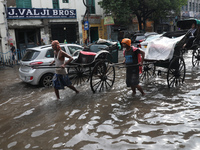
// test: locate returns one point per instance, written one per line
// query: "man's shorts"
(132, 77)
(60, 81)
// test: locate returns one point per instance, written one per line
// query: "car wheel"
(46, 80)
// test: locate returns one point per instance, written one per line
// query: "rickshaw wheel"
(148, 72)
(176, 72)
(102, 76)
(196, 57)
(79, 74)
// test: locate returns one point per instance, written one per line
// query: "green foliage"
(124, 10)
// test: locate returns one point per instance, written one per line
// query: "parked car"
(42, 55)
(143, 45)
(140, 37)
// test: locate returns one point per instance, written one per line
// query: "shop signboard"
(108, 20)
(40, 13)
(86, 25)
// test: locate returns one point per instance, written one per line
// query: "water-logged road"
(31, 118)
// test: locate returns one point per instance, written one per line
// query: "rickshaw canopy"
(186, 24)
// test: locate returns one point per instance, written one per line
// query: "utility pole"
(87, 13)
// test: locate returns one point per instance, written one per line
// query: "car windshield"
(72, 49)
(30, 55)
(140, 37)
(97, 48)
(151, 37)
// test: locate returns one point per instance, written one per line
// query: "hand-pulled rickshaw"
(195, 47)
(165, 54)
(174, 65)
(93, 67)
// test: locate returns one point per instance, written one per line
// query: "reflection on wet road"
(165, 118)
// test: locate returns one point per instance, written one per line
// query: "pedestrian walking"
(13, 52)
(131, 55)
(60, 78)
(42, 42)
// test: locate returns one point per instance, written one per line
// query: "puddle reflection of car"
(42, 55)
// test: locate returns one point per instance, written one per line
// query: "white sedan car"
(42, 55)
(143, 45)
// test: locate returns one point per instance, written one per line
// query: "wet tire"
(46, 80)
(195, 57)
(102, 77)
(148, 72)
(176, 72)
(79, 74)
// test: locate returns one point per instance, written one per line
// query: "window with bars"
(55, 4)
(23, 4)
(199, 7)
(65, 1)
(193, 6)
(183, 8)
(91, 4)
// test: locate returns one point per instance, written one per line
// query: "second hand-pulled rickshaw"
(186, 25)
(160, 56)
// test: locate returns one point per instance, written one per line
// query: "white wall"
(4, 47)
(42, 4)
(73, 4)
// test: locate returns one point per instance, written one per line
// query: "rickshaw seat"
(86, 57)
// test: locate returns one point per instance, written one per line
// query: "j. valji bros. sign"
(37, 13)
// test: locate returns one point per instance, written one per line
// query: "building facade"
(191, 10)
(25, 22)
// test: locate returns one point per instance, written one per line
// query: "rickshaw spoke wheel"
(102, 76)
(148, 72)
(176, 72)
(196, 57)
(79, 74)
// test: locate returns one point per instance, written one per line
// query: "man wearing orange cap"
(60, 78)
(132, 65)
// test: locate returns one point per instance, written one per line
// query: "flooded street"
(31, 118)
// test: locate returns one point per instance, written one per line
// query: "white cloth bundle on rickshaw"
(161, 48)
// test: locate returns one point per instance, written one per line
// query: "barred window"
(23, 4)
(65, 1)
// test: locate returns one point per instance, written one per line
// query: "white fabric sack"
(161, 48)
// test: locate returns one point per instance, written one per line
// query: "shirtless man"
(60, 78)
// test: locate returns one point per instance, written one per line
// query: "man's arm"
(13, 49)
(143, 55)
(64, 54)
(52, 63)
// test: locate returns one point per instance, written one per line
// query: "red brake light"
(31, 78)
(141, 40)
(36, 63)
(139, 45)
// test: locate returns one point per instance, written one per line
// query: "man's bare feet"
(133, 94)
(77, 91)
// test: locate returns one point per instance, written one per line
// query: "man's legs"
(57, 93)
(139, 88)
(134, 90)
(73, 88)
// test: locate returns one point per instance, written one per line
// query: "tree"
(125, 10)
